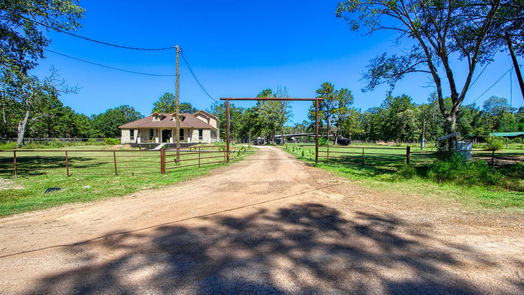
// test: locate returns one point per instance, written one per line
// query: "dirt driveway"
(266, 225)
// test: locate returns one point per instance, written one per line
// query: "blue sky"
(236, 48)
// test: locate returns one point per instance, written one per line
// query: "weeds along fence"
(109, 162)
(395, 156)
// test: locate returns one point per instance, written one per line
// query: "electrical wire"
(492, 85)
(108, 67)
(473, 83)
(196, 79)
(97, 41)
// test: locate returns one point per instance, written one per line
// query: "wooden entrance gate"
(316, 100)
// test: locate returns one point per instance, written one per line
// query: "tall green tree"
(22, 26)
(333, 108)
(439, 32)
(106, 124)
(167, 104)
(272, 115)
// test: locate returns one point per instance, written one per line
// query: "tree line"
(397, 119)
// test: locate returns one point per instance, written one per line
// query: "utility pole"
(177, 104)
(515, 63)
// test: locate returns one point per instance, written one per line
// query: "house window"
(151, 134)
(181, 134)
(200, 134)
(132, 134)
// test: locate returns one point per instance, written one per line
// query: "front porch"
(162, 135)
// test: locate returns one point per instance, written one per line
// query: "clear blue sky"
(236, 48)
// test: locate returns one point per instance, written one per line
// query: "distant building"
(200, 127)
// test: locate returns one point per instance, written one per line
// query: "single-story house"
(200, 127)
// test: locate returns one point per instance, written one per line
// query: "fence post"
(493, 158)
(408, 154)
(363, 158)
(327, 158)
(198, 156)
(14, 162)
(67, 163)
(162, 161)
(114, 161)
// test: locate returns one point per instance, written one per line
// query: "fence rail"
(105, 162)
(378, 155)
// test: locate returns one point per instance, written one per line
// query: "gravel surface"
(266, 225)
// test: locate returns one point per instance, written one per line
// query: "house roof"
(206, 114)
(187, 120)
(508, 134)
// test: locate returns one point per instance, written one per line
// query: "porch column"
(172, 136)
(157, 135)
(139, 136)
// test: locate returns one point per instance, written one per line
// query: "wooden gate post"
(14, 162)
(198, 156)
(114, 161)
(316, 131)
(162, 161)
(408, 154)
(67, 163)
(227, 130)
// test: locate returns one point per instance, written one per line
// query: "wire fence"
(387, 156)
(74, 162)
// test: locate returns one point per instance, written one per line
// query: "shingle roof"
(189, 121)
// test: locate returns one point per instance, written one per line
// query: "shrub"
(466, 173)
(494, 143)
(323, 141)
(111, 141)
(406, 171)
(8, 145)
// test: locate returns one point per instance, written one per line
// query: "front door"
(166, 135)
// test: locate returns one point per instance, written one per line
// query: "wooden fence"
(105, 162)
(385, 155)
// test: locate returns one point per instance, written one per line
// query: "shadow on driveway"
(299, 249)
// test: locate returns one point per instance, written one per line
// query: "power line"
(108, 67)
(196, 79)
(97, 41)
(472, 83)
(489, 88)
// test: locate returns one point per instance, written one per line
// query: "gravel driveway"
(267, 225)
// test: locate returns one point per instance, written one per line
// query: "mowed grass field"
(380, 167)
(92, 173)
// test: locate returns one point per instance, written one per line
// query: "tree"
(106, 124)
(272, 115)
(333, 108)
(167, 104)
(439, 32)
(22, 41)
(496, 105)
(351, 124)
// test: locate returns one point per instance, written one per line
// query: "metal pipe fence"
(71, 162)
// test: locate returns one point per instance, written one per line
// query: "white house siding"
(190, 136)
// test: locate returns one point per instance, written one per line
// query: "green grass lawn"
(381, 168)
(92, 174)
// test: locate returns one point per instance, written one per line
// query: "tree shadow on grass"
(42, 165)
(299, 249)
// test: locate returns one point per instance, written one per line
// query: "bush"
(7, 145)
(323, 141)
(111, 141)
(494, 143)
(469, 173)
(406, 171)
